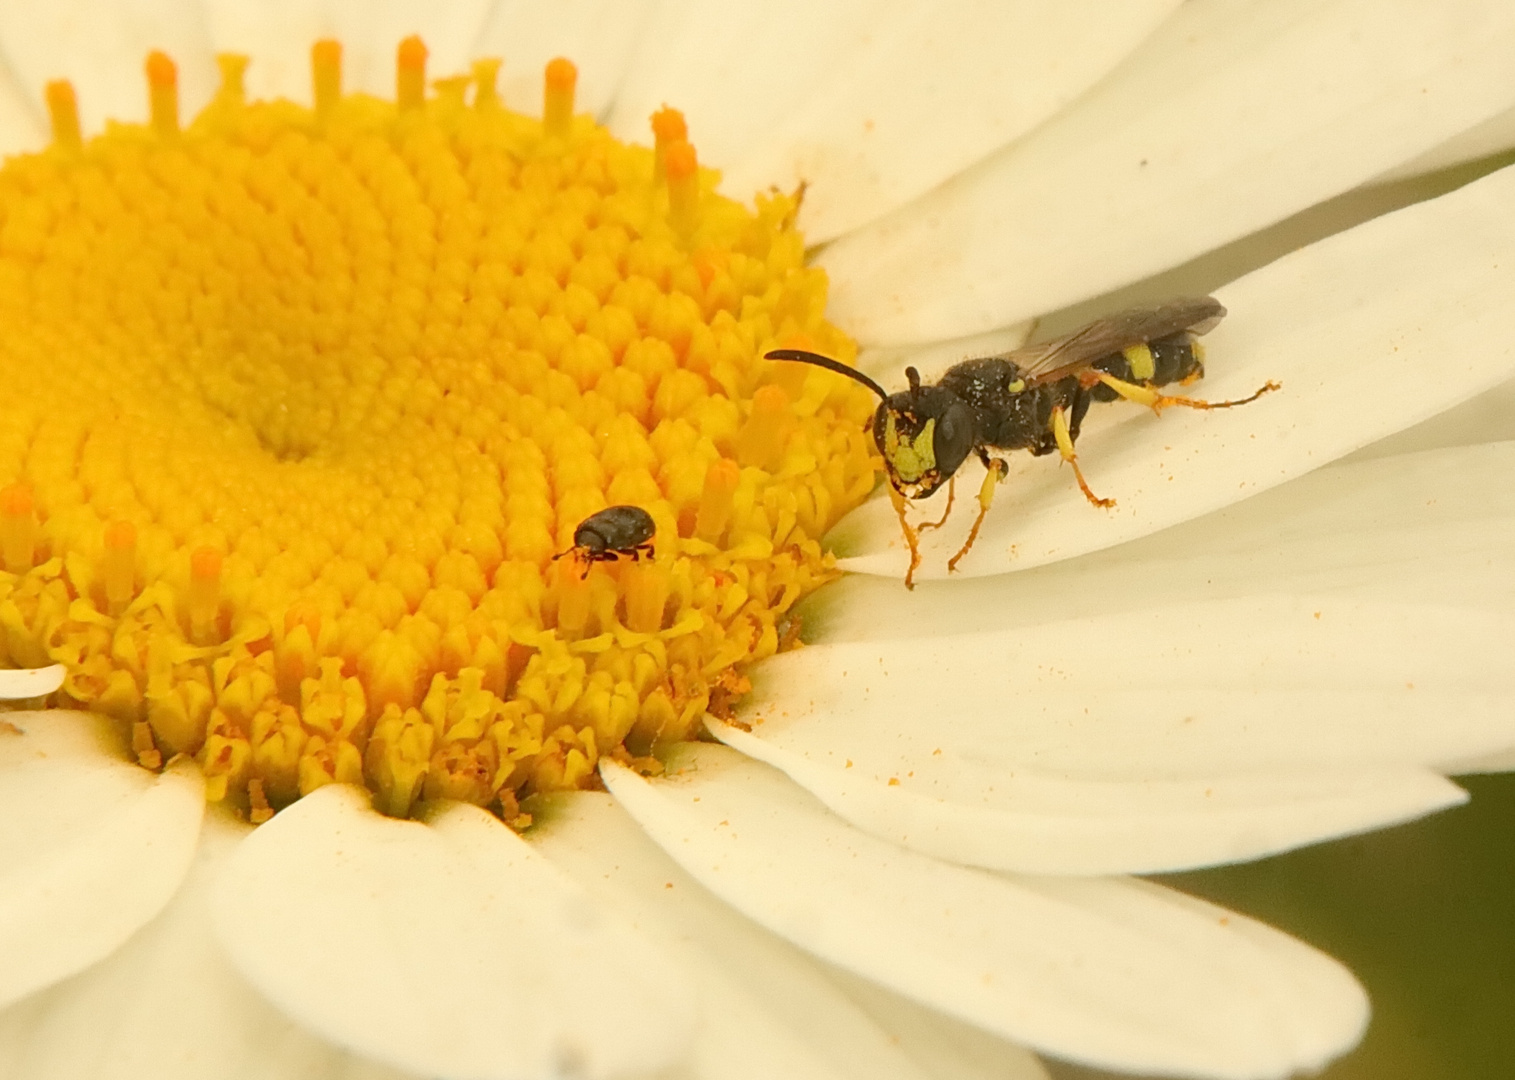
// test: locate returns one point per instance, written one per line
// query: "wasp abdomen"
(1157, 363)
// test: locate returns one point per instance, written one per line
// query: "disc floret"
(304, 400)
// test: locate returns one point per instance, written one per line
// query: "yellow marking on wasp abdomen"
(1143, 367)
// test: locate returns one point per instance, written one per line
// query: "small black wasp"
(611, 533)
(1033, 398)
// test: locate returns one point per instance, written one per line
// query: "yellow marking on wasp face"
(1016, 387)
(1143, 367)
(910, 460)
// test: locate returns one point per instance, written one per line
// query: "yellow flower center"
(302, 403)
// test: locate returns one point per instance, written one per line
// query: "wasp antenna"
(800, 356)
(915, 380)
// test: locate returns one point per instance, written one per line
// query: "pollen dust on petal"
(301, 403)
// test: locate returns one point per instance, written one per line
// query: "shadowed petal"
(446, 948)
(1229, 118)
(1110, 972)
(839, 95)
(91, 847)
(1349, 326)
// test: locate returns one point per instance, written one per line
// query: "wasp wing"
(1063, 356)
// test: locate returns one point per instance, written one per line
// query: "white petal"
(1349, 326)
(777, 94)
(109, 1022)
(1110, 972)
(101, 46)
(886, 362)
(768, 1009)
(734, 69)
(447, 948)
(599, 36)
(1423, 528)
(998, 812)
(277, 35)
(1229, 118)
(18, 684)
(1168, 693)
(91, 847)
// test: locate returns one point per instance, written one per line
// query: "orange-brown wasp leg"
(998, 470)
(1064, 439)
(911, 537)
(1145, 395)
(951, 494)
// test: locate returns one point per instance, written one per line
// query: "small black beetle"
(613, 532)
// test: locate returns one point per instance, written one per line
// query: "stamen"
(683, 172)
(557, 108)
(163, 93)
(204, 595)
(668, 127)
(573, 589)
(326, 75)
(721, 481)
(118, 565)
(647, 587)
(63, 108)
(233, 72)
(486, 74)
(766, 432)
(410, 73)
(18, 528)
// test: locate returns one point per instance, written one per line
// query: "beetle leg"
(1146, 395)
(1065, 448)
(951, 494)
(998, 470)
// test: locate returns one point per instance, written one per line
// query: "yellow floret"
(301, 403)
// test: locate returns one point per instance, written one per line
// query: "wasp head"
(924, 433)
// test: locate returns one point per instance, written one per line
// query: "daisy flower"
(319, 357)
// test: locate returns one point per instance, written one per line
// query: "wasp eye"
(954, 437)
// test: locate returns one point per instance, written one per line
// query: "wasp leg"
(640, 550)
(1145, 395)
(998, 470)
(951, 494)
(1065, 448)
(911, 537)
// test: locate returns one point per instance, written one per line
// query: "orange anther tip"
(326, 50)
(770, 399)
(724, 473)
(15, 500)
(205, 564)
(161, 71)
(562, 73)
(60, 94)
(681, 161)
(668, 125)
(120, 535)
(413, 52)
